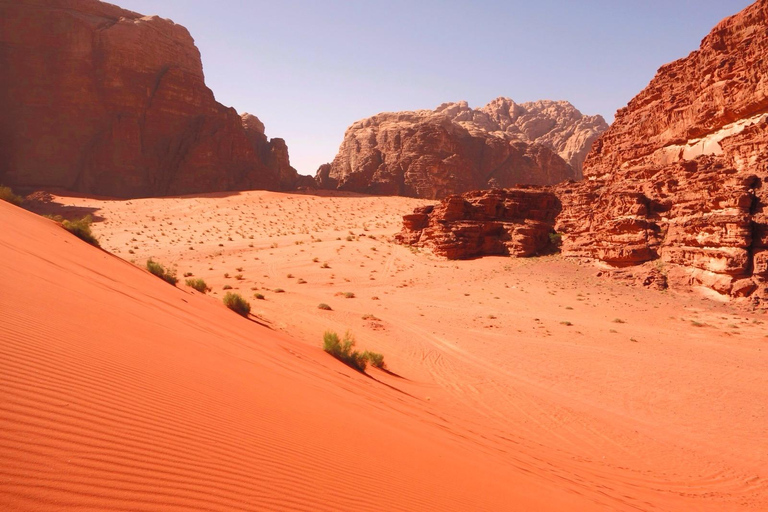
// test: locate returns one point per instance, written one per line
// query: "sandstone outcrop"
(515, 222)
(454, 149)
(677, 189)
(102, 100)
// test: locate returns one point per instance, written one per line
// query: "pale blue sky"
(309, 69)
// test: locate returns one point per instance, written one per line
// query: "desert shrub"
(237, 304)
(555, 239)
(81, 228)
(198, 284)
(343, 350)
(6, 194)
(324, 306)
(349, 295)
(376, 359)
(371, 317)
(226, 287)
(259, 296)
(278, 290)
(167, 275)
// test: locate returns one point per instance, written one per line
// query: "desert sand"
(513, 384)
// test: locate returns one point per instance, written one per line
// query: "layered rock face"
(454, 149)
(102, 100)
(515, 222)
(677, 189)
(693, 103)
(681, 175)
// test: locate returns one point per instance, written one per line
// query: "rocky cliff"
(677, 188)
(692, 104)
(454, 149)
(102, 100)
(680, 177)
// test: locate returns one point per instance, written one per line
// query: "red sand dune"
(121, 392)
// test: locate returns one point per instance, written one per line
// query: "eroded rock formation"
(454, 149)
(515, 222)
(102, 100)
(678, 186)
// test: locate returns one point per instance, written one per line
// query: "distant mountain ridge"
(455, 148)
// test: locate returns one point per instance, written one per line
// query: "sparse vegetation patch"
(6, 194)
(81, 228)
(343, 350)
(376, 359)
(198, 284)
(169, 276)
(237, 304)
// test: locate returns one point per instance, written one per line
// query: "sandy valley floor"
(619, 398)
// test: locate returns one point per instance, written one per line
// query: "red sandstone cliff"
(678, 186)
(98, 99)
(695, 102)
(680, 177)
(454, 149)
